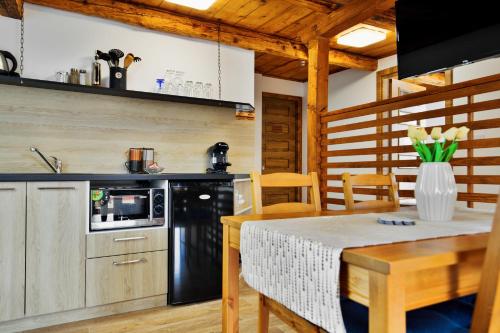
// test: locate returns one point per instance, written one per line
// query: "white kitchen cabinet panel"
(12, 249)
(55, 246)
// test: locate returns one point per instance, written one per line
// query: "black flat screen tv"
(433, 35)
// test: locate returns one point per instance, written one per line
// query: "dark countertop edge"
(52, 85)
(41, 177)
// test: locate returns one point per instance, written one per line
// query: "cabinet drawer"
(125, 242)
(242, 196)
(123, 278)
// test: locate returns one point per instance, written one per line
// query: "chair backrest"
(285, 180)
(486, 318)
(389, 180)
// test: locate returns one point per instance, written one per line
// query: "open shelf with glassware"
(43, 84)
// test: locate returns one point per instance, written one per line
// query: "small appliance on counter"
(119, 206)
(217, 158)
(142, 160)
(5, 69)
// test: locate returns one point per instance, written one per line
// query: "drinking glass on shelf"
(188, 88)
(198, 89)
(178, 83)
(169, 77)
(160, 86)
(207, 90)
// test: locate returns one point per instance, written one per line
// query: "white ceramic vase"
(435, 191)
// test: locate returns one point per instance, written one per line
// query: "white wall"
(57, 40)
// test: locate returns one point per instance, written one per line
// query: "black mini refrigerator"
(195, 239)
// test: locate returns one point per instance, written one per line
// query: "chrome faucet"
(56, 166)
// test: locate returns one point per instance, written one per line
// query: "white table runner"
(297, 261)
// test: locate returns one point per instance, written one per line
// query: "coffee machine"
(217, 158)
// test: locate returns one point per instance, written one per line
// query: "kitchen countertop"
(42, 177)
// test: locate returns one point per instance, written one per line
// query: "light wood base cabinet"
(12, 249)
(125, 242)
(120, 278)
(55, 246)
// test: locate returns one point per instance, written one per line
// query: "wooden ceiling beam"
(165, 21)
(321, 6)
(10, 8)
(347, 16)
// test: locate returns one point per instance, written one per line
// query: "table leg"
(263, 315)
(387, 303)
(230, 285)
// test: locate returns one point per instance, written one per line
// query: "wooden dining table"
(390, 279)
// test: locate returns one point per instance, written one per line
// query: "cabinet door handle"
(7, 189)
(129, 239)
(57, 188)
(129, 262)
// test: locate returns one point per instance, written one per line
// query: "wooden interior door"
(281, 148)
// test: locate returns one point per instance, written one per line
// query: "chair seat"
(448, 317)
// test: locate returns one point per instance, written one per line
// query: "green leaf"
(419, 151)
(451, 150)
(427, 152)
(438, 152)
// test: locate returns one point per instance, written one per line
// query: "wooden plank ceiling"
(278, 30)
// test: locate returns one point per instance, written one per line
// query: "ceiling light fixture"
(361, 35)
(196, 4)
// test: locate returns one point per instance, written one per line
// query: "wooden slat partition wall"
(349, 140)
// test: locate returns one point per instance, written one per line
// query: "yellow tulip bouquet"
(439, 151)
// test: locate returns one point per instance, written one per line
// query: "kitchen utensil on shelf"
(5, 69)
(129, 59)
(96, 72)
(118, 78)
(134, 163)
(116, 55)
(104, 56)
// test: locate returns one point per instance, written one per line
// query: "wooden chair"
(370, 180)
(259, 181)
(285, 180)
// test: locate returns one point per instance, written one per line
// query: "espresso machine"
(217, 158)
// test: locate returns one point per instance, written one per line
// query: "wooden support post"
(470, 152)
(317, 99)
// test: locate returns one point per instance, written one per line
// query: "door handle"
(129, 262)
(57, 188)
(7, 189)
(128, 239)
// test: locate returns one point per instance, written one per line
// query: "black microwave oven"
(122, 207)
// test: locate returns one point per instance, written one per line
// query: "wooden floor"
(198, 318)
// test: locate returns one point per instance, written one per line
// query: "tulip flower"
(412, 132)
(436, 133)
(450, 134)
(462, 133)
(421, 134)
